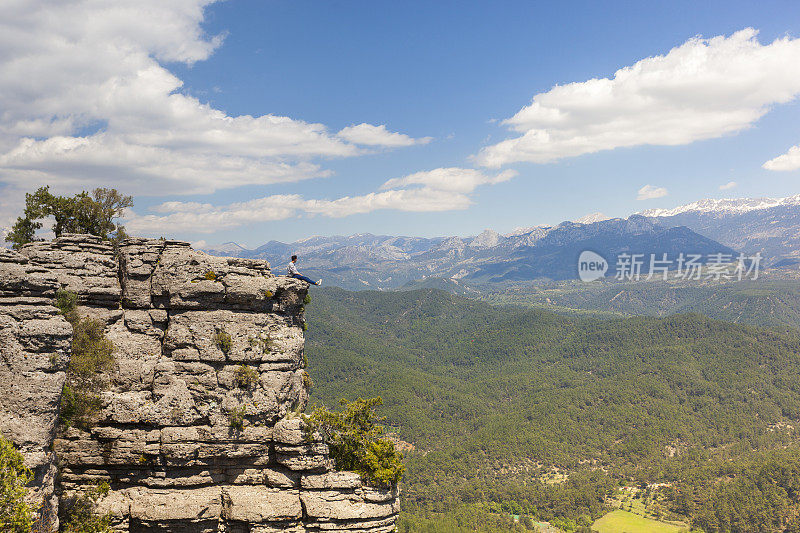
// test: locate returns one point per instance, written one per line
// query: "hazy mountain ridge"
(725, 206)
(556, 255)
(388, 262)
(767, 225)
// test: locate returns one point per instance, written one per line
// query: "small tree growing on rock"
(356, 442)
(67, 303)
(92, 354)
(223, 340)
(93, 213)
(15, 515)
(82, 516)
(236, 417)
(246, 377)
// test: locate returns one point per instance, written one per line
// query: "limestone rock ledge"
(165, 442)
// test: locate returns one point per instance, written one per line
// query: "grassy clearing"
(624, 522)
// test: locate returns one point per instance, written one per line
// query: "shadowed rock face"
(164, 441)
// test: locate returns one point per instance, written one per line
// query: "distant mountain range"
(725, 206)
(361, 261)
(366, 261)
(767, 225)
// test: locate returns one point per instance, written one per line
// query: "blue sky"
(451, 71)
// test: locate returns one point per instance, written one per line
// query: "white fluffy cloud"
(703, 89)
(728, 186)
(649, 192)
(370, 135)
(103, 158)
(788, 161)
(457, 180)
(442, 189)
(206, 218)
(85, 100)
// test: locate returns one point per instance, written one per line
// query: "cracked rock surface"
(199, 341)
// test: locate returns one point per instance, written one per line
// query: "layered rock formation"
(199, 428)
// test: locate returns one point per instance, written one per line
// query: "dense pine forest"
(773, 300)
(522, 415)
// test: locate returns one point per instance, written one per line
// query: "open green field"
(620, 521)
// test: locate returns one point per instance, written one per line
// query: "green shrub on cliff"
(308, 383)
(223, 341)
(356, 442)
(92, 352)
(79, 408)
(236, 417)
(15, 515)
(262, 341)
(246, 377)
(82, 514)
(92, 355)
(67, 302)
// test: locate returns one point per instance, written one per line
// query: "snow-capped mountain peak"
(516, 232)
(724, 206)
(486, 239)
(591, 218)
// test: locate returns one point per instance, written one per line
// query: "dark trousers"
(304, 278)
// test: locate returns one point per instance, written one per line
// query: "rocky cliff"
(185, 443)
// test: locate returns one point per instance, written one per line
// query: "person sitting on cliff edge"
(293, 273)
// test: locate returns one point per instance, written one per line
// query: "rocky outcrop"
(34, 351)
(199, 428)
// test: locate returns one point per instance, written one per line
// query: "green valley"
(495, 400)
(773, 300)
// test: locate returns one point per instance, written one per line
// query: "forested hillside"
(495, 398)
(770, 301)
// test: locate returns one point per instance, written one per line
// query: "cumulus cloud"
(460, 180)
(104, 158)
(85, 100)
(649, 192)
(205, 218)
(785, 162)
(442, 189)
(702, 89)
(728, 186)
(369, 135)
